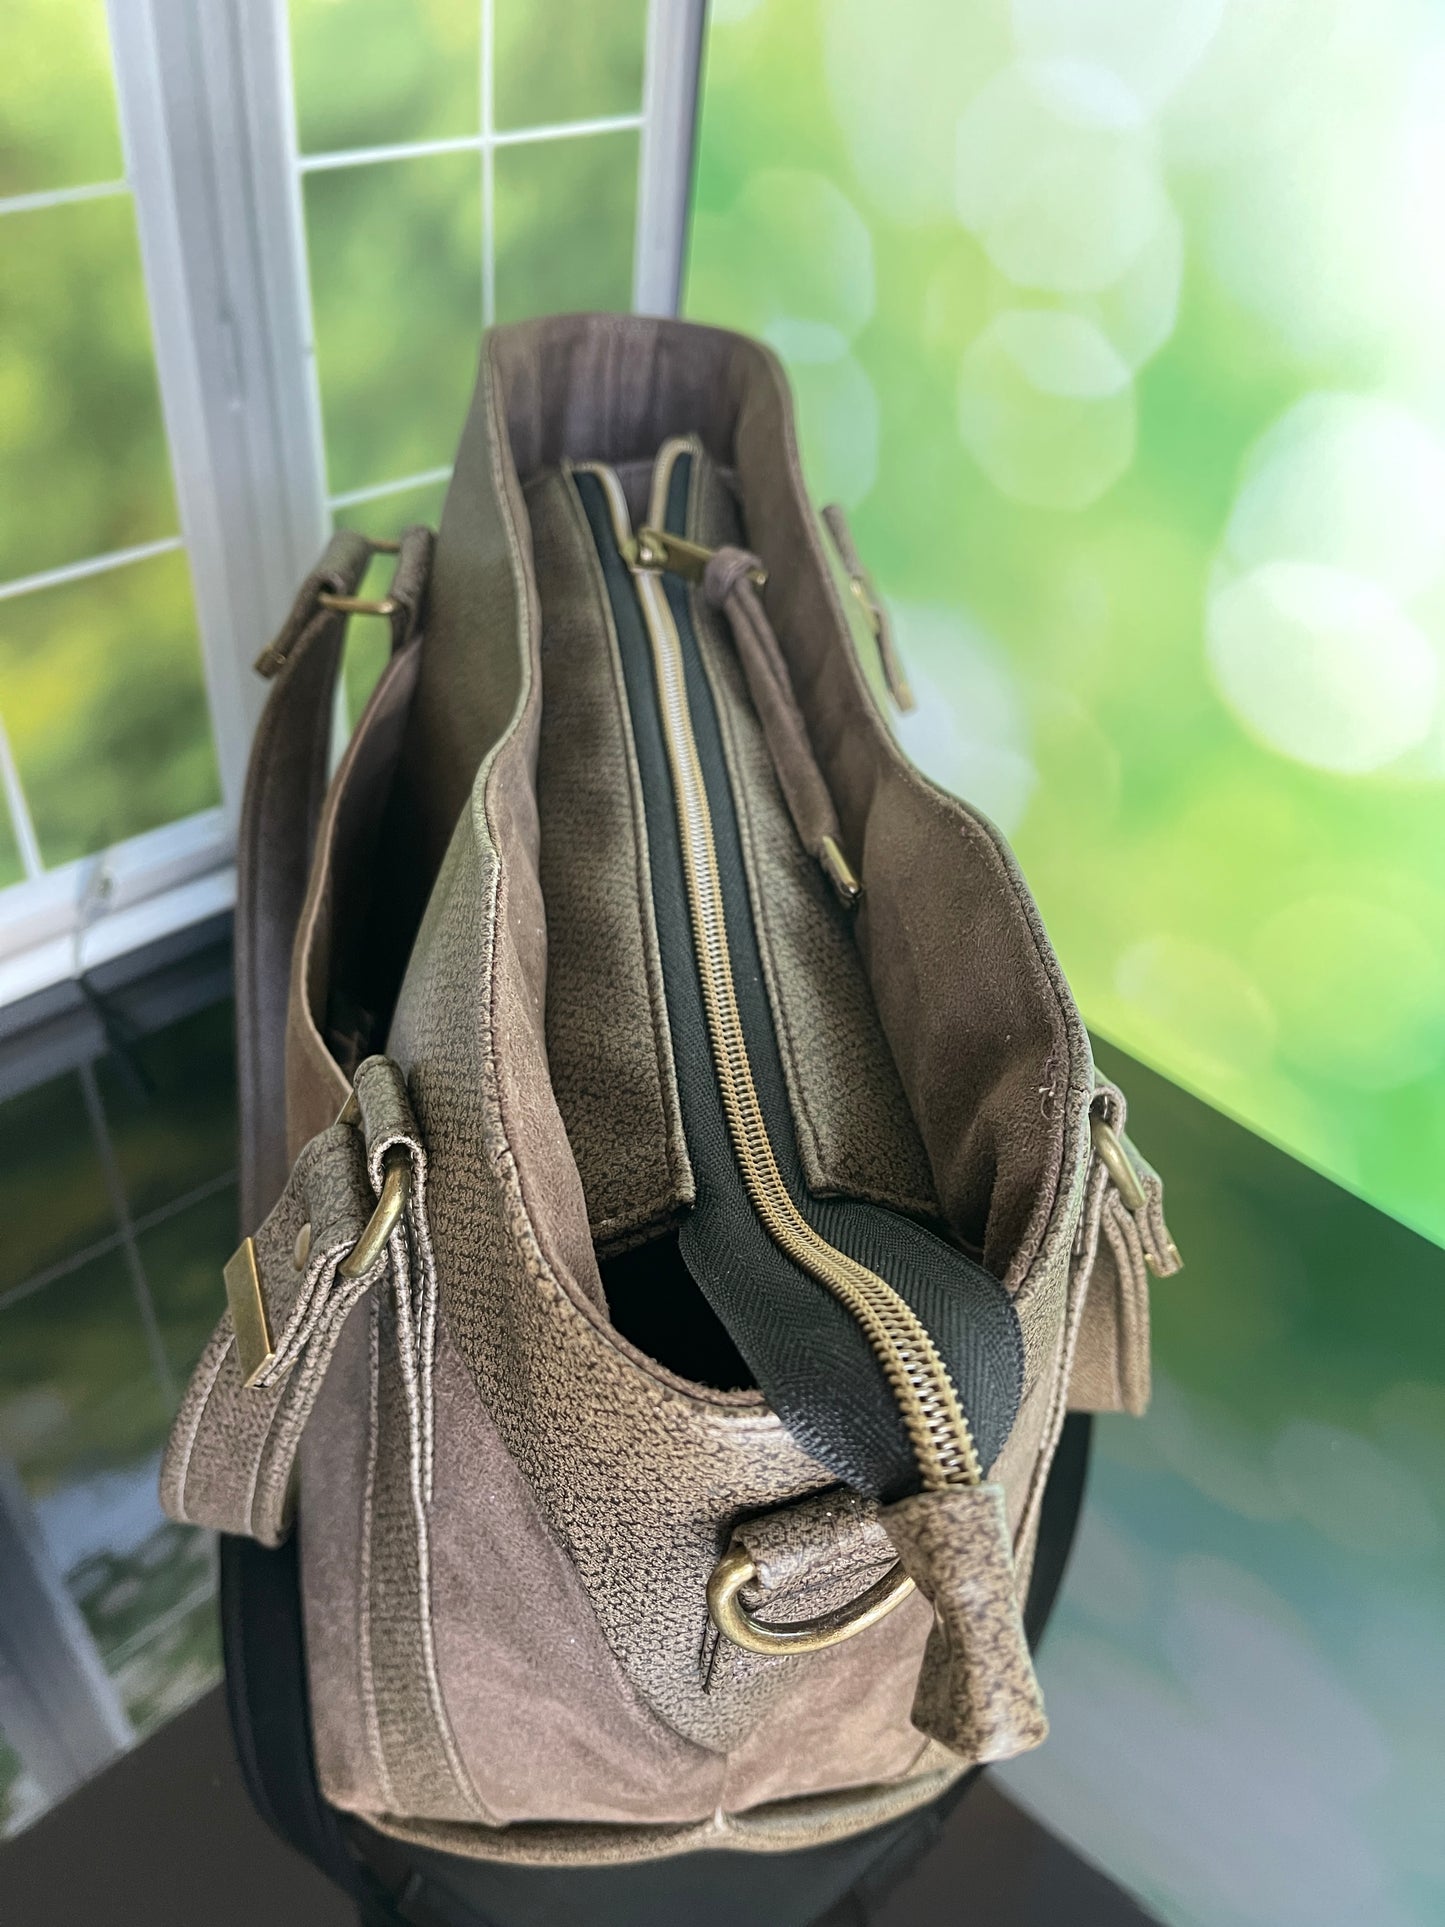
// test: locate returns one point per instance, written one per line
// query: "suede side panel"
(543, 1715)
(333, 1480)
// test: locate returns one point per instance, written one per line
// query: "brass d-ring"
(395, 1196)
(1116, 1161)
(733, 1620)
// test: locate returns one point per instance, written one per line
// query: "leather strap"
(285, 788)
(1121, 1243)
(229, 1461)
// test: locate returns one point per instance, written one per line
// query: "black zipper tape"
(808, 1354)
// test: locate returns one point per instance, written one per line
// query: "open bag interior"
(923, 1034)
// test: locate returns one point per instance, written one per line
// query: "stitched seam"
(203, 1407)
(415, 1479)
(1077, 1286)
(372, 1718)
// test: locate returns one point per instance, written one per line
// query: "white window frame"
(208, 130)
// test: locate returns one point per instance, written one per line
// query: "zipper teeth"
(917, 1376)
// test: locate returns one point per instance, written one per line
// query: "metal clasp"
(1110, 1150)
(351, 605)
(659, 552)
(246, 1298)
(736, 1569)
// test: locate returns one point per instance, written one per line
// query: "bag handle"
(286, 784)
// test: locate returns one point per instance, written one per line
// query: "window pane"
(83, 465)
(396, 290)
(161, 1675)
(564, 212)
(385, 516)
(81, 1412)
(53, 1200)
(174, 1126)
(183, 1256)
(101, 689)
(20, 1797)
(369, 73)
(557, 63)
(57, 105)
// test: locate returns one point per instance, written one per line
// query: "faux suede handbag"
(685, 1206)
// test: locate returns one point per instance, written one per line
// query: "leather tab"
(229, 1459)
(977, 1693)
(1119, 1249)
(343, 563)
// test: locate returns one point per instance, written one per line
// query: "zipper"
(938, 1432)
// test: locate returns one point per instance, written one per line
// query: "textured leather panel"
(547, 1720)
(608, 1045)
(855, 1133)
(637, 1476)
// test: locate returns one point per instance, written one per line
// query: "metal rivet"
(301, 1251)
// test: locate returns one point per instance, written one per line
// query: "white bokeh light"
(898, 78)
(969, 729)
(1056, 204)
(1254, 83)
(1046, 408)
(1127, 56)
(838, 423)
(1350, 482)
(1138, 313)
(1321, 665)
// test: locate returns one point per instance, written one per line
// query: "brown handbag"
(695, 1209)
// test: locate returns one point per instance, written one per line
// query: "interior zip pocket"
(893, 1357)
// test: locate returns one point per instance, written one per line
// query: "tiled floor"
(117, 1193)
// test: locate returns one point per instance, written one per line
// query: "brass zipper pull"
(871, 603)
(657, 552)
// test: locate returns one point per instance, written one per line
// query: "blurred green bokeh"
(101, 691)
(58, 124)
(564, 213)
(554, 64)
(372, 73)
(1117, 330)
(396, 292)
(83, 464)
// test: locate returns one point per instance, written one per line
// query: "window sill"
(90, 912)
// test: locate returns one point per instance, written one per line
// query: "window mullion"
(664, 165)
(205, 111)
